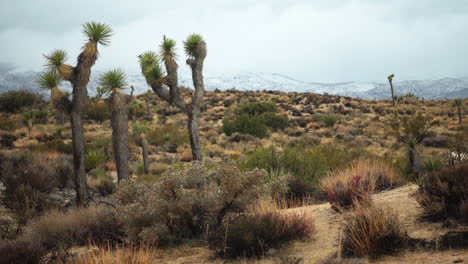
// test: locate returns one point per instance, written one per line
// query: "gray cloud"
(324, 40)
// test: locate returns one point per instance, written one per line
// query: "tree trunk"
(119, 119)
(414, 161)
(194, 135)
(459, 114)
(78, 144)
(144, 149)
(393, 93)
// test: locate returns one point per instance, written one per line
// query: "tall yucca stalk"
(78, 76)
(390, 80)
(166, 86)
(113, 82)
(458, 103)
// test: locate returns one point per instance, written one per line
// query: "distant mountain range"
(428, 89)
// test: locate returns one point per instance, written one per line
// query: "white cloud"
(334, 40)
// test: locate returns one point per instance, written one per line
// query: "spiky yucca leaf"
(98, 32)
(113, 79)
(148, 59)
(168, 49)
(191, 43)
(49, 79)
(153, 74)
(457, 102)
(56, 58)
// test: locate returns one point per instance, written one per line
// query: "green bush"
(329, 119)
(245, 124)
(14, 101)
(36, 117)
(254, 119)
(257, 108)
(168, 133)
(306, 165)
(95, 159)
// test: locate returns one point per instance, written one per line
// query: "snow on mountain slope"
(429, 89)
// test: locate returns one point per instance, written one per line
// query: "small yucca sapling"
(458, 103)
(195, 48)
(78, 76)
(390, 80)
(114, 82)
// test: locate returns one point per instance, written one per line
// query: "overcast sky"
(310, 40)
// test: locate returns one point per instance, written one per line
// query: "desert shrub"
(254, 235)
(98, 111)
(21, 251)
(185, 201)
(256, 108)
(29, 178)
(95, 159)
(55, 145)
(14, 101)
(432, 164)
(328, 119)
(254, 119)
(35, 117)
(306, 165)
(442, 193)
(7, 140)
(7, 123)
(372, 232)
(167, 134)
(245, 124)
(345, 187)
(58, 231)
(101, 183)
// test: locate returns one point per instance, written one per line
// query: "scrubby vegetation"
(230, 174)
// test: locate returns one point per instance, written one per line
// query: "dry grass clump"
(114, 255)
(444, 194)
(255, 234)
(358, 182)
(372, 231)
(58, 231)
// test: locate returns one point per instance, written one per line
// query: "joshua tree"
(458, 103)
(166, 87)
(390, 80)
(113, 82)
(59, 99)
(78, 76)
(99, 92)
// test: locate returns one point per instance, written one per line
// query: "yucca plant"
(195, 48)
(78, 76)
(51, 80)
(458, 103)
(113, 82)
(390, 80)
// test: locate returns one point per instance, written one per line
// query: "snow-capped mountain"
(428, 89)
